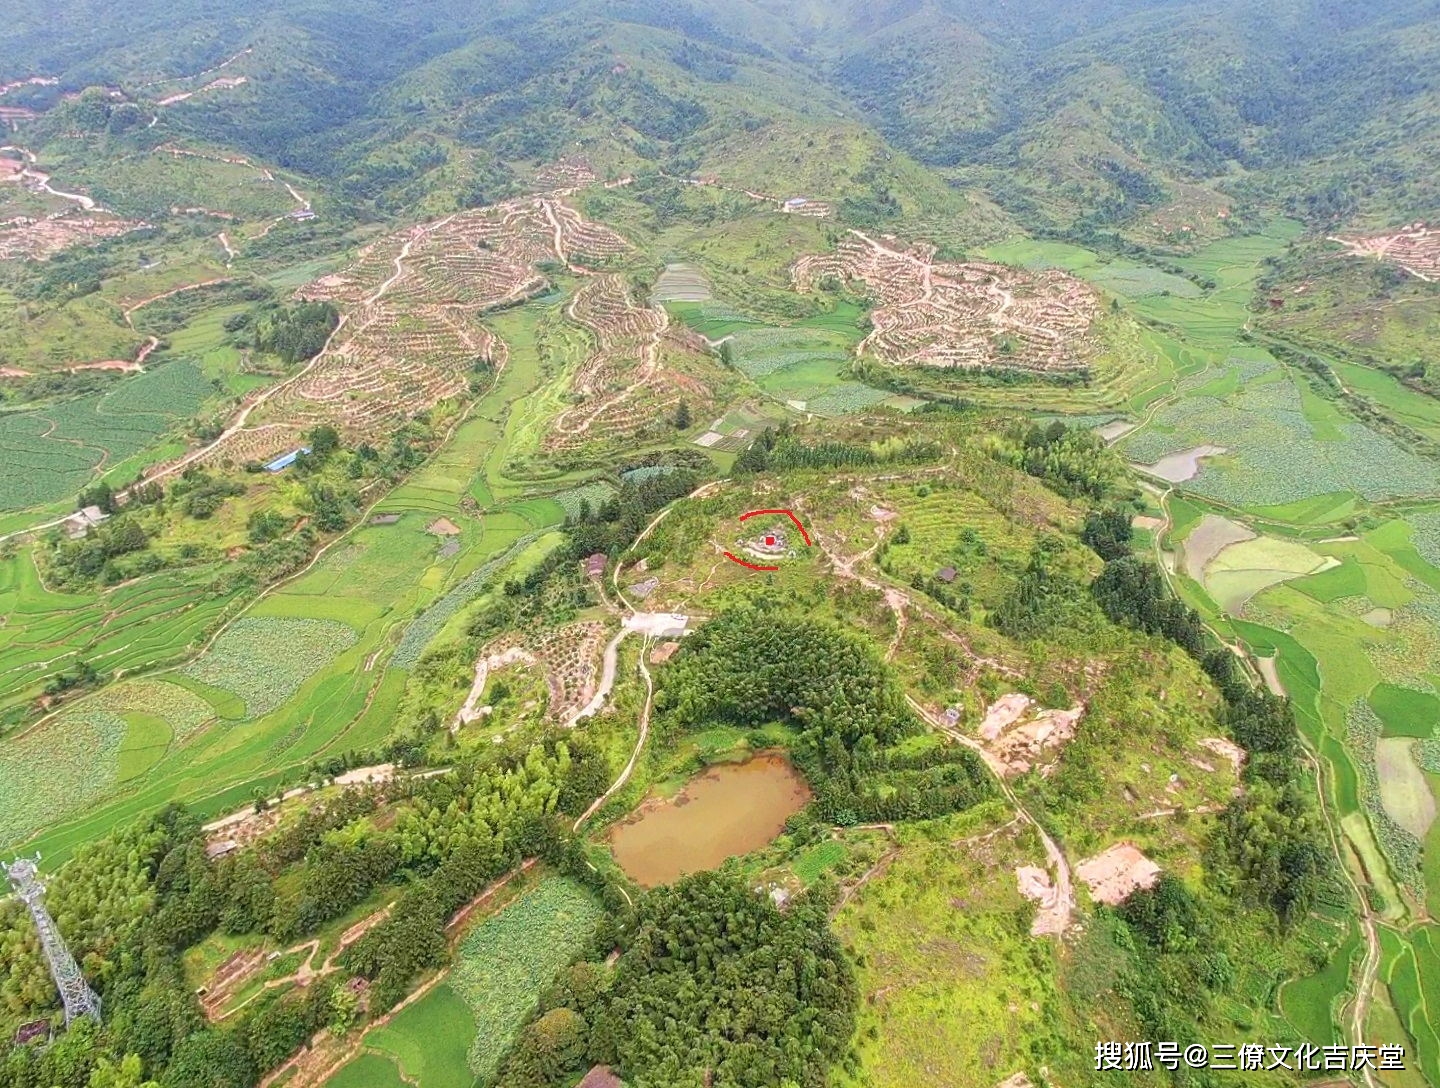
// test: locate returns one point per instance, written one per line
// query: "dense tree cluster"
(714, 986)
(614, 526)
(781, 450)
(754, 665)
(296, 333)
(1046, 599)
(1072, 460)
(1132, 592)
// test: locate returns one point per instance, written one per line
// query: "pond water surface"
(729, 809)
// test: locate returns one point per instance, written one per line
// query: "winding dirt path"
(1054, 919)
(624, 777)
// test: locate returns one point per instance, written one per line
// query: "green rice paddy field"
(308, 670)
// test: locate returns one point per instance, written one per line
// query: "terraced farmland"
(47, 454)
(1415, 248)
(141, 623)
(624, 385)
(410, 334)
(960, 315)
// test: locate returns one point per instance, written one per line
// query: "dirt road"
(1054, 919)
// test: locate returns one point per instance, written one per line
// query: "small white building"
(82, 521)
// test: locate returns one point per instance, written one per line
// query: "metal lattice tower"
(75, 992)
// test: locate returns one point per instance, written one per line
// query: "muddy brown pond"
(729, 809)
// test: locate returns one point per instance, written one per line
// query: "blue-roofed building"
(280, 464)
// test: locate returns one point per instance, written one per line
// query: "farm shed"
(946, 574)
(595, 565)
(81, 522)
(280, 464)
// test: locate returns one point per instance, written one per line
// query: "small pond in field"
(728, 809)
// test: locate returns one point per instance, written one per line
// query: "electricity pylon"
(75, 992)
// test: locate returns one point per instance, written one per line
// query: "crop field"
(1310, 1003)
(47, 454)
(1284, 443)
(367, 592)
(369, 1071)
(680, 282)
(1128, 279)
(48, 771)
(712, 320)
(1244, 568)
(1411, 971)
(804, 365)
(429, 624)
(510, 957)
(1405, 712)
(265, 661)
(976, 314)
(429, 1042)
(141, 623)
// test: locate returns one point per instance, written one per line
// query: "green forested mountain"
(1098, 111)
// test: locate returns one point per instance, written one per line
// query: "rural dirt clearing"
(1018, 735)
(1112, 876)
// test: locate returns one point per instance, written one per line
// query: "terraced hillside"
(969, 315)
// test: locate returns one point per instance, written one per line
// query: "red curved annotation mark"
(753, 566)
(755, 514)
(789, 514)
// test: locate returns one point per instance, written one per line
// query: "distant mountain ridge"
(1090, 112)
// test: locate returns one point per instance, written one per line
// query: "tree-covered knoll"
(1269, 846)
(715, 985)
(754, 665)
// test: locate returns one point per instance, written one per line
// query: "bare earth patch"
(1018, 738)
(1207, 540)
(1114, 875)
(1035, 884)
(1226, 749)
(1270, 672)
